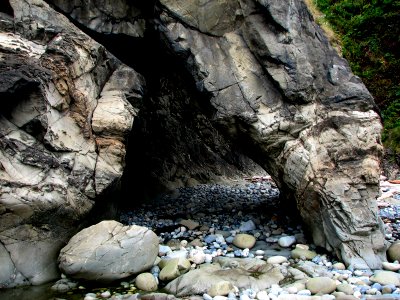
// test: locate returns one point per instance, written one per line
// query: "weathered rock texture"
(260, 78)
(106, 16)
(276, 83)
(63, 124)
(242, 273)
(109, 251)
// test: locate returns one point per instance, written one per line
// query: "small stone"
(385, 277)
(163, 250)
(393, 252)
(197, 256)
(90, 296)
(209, 258)
(146, 282)
(292, 290)
(244, 297)
(210, 238)
(190, 224)
(262, 295)
(387, 289)
(106, 294)
(377, 286)
(220, 298)
(302, 253)
(328, 297)
(345, 288)
(323, 285)
(244, 241)
(339, 266)
(304, 247)
(286, 241)
(357, 294)
(247, 226)
(207, 297)
(304, 293)
(173, 268)
(391, 266)
(276, 259)
(221, 288)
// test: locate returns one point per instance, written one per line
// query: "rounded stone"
(339, 266)
(244, 241)
(286, 241)
(262, 295)
(276, 259)
(221, 288)
(385, 277)
(387, 289)
(391, 266)
(302, 253)
(345, 288)
(146, 282)
(393, 252)
(109, 251)
(323, 285)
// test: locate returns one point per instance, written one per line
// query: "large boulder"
(240, 272)
(63, 124)
(276, 84)
(109, 251)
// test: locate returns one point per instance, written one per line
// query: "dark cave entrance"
(174, 141)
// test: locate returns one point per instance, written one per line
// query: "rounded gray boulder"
(109, 251)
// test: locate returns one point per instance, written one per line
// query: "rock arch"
(271, 81)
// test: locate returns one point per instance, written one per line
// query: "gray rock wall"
(272, 87)
(63, 126)
(275, 81)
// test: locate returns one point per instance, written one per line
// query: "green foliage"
(370, 35)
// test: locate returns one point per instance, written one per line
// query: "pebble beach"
(207, 230)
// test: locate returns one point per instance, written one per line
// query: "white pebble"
(276, 259)
(358, 273)
(207, 297)
(357, 294)
(90, 296)
(208, 258)
(292, 290)
(272, 296)
(106, 294)
(287, 241)
(304, 293)
(244, 297)
(262, 295)
(245, 252)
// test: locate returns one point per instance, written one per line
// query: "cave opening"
(176, 147)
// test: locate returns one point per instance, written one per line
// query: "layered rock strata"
(63, 125)
(276, 83)
(271, 84)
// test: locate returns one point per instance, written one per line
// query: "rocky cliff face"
(229, 80)
(64, 118)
